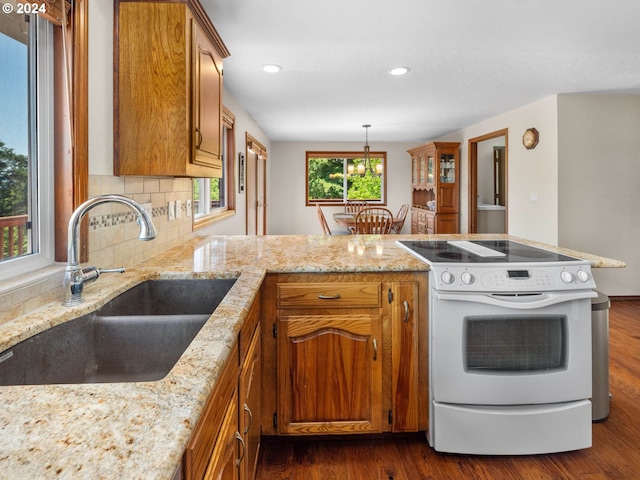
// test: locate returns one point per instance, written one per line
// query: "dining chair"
(376, 220)
(354, 206)
(325, 225)
(402, 215)
(323, 221)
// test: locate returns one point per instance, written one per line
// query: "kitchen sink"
(136, 337)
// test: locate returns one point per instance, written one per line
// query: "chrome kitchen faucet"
(74, 276)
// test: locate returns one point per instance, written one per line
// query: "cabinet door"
(404, 355)
(250, 411)
(329, 374)
(224, 459)
(207, 99)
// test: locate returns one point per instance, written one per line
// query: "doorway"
(488, 185)
(256, 218)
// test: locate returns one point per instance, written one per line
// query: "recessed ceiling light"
(271, 68)
(399, 71)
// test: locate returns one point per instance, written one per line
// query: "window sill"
(213, 218)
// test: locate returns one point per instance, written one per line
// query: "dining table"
(348, 220)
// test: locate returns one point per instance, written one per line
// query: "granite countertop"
(140, 430)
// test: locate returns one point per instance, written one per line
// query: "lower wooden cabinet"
(210, 449)
(223, 464)
(329, 373)
(249, 407)
(226, 440)
(344, 354)
(427, 221)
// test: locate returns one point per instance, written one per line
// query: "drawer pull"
(329, 297)
(244, 448)
(248, 410)
(375, 349)
(406, 312)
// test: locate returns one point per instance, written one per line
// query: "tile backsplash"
(113, 237)
(113, 231)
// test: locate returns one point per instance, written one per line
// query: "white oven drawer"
(516, 430)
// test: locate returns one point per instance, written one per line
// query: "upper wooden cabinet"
(167, 90)
(435, 184)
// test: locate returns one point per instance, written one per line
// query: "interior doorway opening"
(488, 185)
(256, 167)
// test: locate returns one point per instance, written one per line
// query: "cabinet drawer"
(328, 295)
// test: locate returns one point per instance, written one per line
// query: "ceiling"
(470, 60)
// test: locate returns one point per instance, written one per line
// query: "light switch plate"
(189, 212)
(171, 210)
(178, 208)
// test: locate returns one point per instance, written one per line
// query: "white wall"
(530, 172)
(599, 172)
(290, 215)
(101, 87)
(236, 225)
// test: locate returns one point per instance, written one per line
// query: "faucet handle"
(111, 270)
(91, 274)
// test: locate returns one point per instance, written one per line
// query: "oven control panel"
(512, 278)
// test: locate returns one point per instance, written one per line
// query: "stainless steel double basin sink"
(136, 337)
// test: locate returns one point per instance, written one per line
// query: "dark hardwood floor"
(615, 453)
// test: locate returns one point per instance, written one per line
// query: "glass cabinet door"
(447, 168)
(430, 169)
(423, 169)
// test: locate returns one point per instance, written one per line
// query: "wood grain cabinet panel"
(329, 374)
(226, 441)
(404, 311)
(336, 367)
(167, 90)
(250, 407)
(209, 438)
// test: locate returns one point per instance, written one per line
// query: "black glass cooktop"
(443, 251)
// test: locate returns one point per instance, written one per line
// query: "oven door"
(508, 349)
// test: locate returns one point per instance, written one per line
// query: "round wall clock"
(530, 138)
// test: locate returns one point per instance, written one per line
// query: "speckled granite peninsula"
(140, 430)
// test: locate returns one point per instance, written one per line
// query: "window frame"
(229, 175)
(40, 154)
(346, 155)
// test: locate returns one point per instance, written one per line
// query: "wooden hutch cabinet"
(167, 90)
(435, 184)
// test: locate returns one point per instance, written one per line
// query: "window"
(26, 144)
(214, 198)
(333, 178)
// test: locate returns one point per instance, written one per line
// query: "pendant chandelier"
(366, 167)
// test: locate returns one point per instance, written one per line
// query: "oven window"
(514, 343)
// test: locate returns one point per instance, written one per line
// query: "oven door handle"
(517, 301)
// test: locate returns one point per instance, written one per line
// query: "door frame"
(473, 177)
(255, 149)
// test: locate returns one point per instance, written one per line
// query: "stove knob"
(566, 277)
(583, 276)
(447, 278)
(467, 278)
